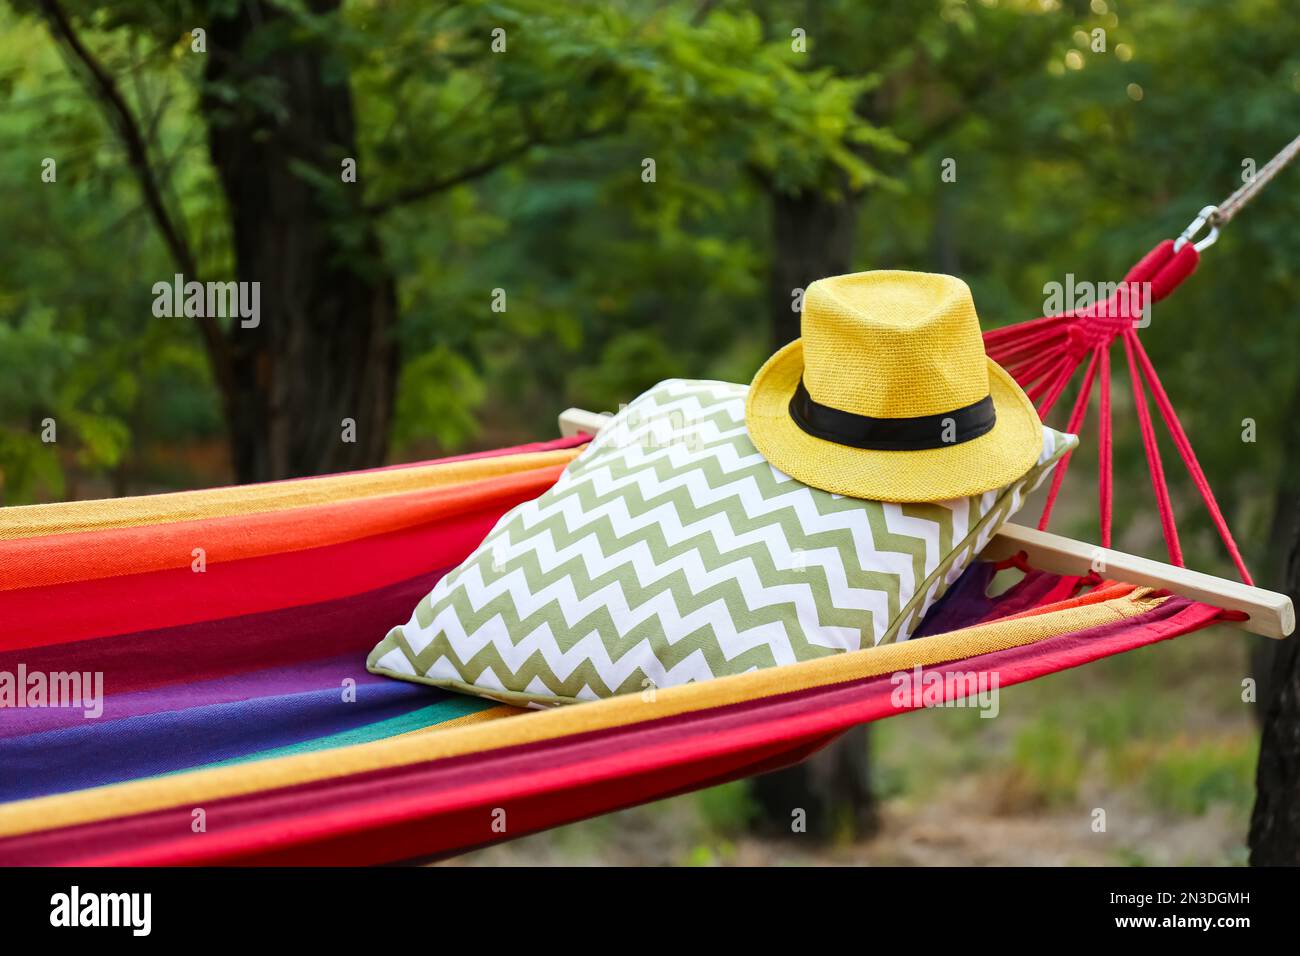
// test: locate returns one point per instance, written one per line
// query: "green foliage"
(78, 342)
(728, 809)
(439, 391)
(1189, 778)
(1049, 757)
(710, 854)
(1052, 756)
(612, 283)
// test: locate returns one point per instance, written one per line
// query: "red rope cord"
(1104, 452)
(1188, 455)
(1060, 367)
(1027, 346)
(1152, 449)
(1058, 387)
(1044, 354)
(1016, 330)
(1077, 416)
(1030, 371)
(1026, 357)
(1041, 367)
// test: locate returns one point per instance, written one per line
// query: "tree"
(1274, 837)
(478, 86)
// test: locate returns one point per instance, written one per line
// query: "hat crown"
(892, 344)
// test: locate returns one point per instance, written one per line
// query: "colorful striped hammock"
(240, 726)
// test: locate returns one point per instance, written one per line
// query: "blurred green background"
(789, 140)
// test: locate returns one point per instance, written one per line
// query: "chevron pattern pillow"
(670, 551)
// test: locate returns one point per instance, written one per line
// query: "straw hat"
(889, 395)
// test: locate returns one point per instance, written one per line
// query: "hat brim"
(993, 460)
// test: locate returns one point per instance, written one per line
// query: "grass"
(1189, 777)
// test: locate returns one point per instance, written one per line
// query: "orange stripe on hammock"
(90, 555)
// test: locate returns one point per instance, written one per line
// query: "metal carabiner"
(1190, 232)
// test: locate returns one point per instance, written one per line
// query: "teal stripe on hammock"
(430, 716)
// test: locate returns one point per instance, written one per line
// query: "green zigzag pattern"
(739, 521)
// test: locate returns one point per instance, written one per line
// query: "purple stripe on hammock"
(270, 682)
(967, 602)
(95, 753)
(965, 599)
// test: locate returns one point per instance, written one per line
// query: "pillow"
(670, 551)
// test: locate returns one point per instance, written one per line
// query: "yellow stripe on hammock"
(199, 786)
(29, 521)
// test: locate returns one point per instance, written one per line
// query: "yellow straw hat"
(889, 395)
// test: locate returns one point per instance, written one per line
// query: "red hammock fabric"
(1043, 355)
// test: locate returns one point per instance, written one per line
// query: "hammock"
(239, 724)
(231, 627)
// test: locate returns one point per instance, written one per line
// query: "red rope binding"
(1043, 355)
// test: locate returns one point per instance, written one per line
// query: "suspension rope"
(1232, 205)
(1044, 354)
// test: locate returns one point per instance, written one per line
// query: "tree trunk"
(324, 351)
(827, 795)
(813, 237)
(1275, 823)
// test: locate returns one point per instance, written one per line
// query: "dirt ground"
(955, 832)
